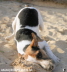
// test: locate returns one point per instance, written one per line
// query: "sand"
(55, 33)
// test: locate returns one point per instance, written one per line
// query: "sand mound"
(25, 66)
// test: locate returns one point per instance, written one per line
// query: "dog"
(28, 21)
(35, 54)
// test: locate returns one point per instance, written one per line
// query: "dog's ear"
(34, 41)
(39, 39)
(36, 37)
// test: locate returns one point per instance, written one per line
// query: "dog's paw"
(56, 60)
(50, 66)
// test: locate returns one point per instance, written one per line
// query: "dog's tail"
(26, 5)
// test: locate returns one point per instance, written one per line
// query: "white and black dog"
(28, 21)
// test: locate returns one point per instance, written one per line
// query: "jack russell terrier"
(26, 27)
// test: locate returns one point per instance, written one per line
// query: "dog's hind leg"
(14, 30)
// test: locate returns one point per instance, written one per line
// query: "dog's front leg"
(48, 51)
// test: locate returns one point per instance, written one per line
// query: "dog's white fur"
(43, 44)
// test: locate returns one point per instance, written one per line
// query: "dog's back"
(29, 17)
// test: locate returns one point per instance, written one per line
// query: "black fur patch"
(25, 48)
(24, 34)
(28, 17)
(35, 48)
(39, 55)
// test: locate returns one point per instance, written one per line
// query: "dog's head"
(33, 50)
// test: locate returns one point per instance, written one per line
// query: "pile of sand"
(25, 66)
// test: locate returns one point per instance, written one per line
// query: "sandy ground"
(55, 33)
